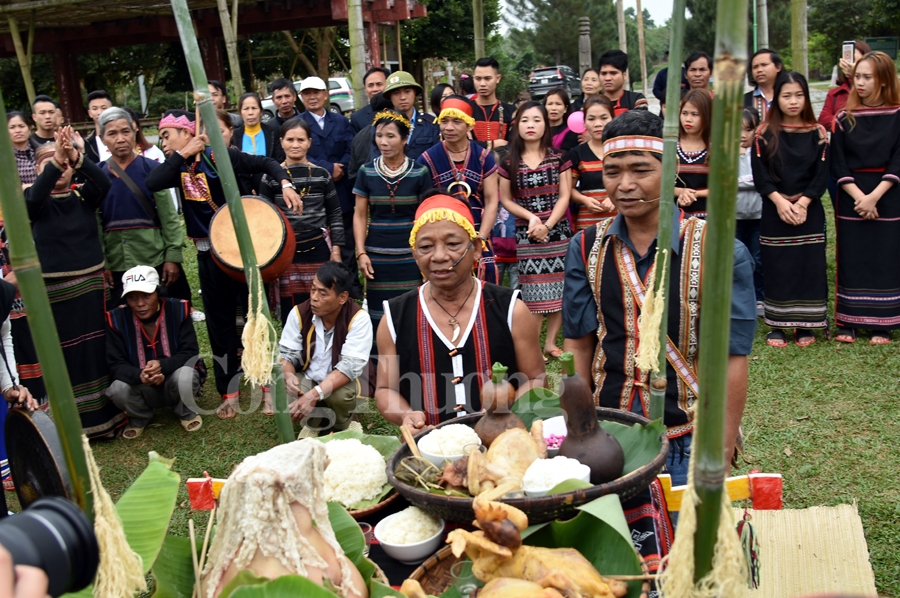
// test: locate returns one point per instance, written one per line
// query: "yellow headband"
(390, 115)
(456, 113)
(436, 214)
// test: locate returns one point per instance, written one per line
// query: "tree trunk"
(623, 40)
(762, 15)
(478, 23)
(229, 32)
(799, 40)
(641, 47)
(357, 50)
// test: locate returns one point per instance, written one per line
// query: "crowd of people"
(429, 245)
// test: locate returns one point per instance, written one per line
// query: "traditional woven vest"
(610, 266)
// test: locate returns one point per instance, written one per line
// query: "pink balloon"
(576, 122)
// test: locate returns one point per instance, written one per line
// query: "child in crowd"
(749, 203)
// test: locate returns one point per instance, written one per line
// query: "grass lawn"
(825, 417)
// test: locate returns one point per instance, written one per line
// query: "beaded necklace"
(392, 177)
(303, 192)
(691, 157)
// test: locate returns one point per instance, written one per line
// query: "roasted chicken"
(509, 457)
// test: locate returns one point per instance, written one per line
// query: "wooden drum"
(272, 236)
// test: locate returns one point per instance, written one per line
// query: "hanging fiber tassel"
(750, 546)
(649, 322)
(121, 570)
(729, 571)
(259, 349)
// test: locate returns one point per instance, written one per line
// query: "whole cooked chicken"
(509, 457)
(496, 551)
(497, 588)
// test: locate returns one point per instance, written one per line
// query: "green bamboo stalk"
(233, 197)
(23, 255)
(710, 465)
(667, 203)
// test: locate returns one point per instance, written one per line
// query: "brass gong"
(35, 457)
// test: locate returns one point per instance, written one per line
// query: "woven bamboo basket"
(542, 509)
(434, 574)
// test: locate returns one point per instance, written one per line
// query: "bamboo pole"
(23, 57)
(762, 8)
(399, 49)
(620, 15)
(229, 32)
(641, 47)
(799, 37)
(710, 465)
(667, 204)
(233, 197)
(23, 255)
(357, 51)
(478, 24)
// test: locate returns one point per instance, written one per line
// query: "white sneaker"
(198, 316)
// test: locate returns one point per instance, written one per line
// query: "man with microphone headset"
(618, 255)
(453, 328)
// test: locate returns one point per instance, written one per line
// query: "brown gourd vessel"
(585, 440)
(497, 395)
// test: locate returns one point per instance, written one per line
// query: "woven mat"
(810, 551)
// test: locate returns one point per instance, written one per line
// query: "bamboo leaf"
(385, 445)
(174, 569)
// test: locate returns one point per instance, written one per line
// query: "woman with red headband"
(466, 170)
(452, 328)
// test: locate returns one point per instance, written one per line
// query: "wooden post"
(357, 51)
(623, 39)
(799, 39)
(384, 60)
(399, 49)
(584, 45)
(23, 56)
(478, 26)
(643, 51)
(762, 9)
(229, 32)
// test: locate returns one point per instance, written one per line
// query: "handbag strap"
(132, 186)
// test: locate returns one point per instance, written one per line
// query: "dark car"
(544, 79)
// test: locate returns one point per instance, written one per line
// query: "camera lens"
(53, 534)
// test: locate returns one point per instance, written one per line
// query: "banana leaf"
(286, 586)
(569, 485)
(639, 443)
(600, 533)
(145, 510)
(174, 569)
(385, 445)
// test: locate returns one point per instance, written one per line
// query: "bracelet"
(318, 389)
(361, 253)
(804, 207)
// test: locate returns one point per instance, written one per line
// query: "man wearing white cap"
(332, 137)
(153, 354)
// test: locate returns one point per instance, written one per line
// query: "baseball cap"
(313, 83)
(140, 278)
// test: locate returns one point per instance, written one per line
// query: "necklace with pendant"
(453, 321)
(390, 176)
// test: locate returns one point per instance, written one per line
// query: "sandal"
(131, 432)
(188, 424)
(846, 335)
(804, 338)
(226, 409)
(8, 484)
(880, 337)
(555, 353)
(777, 339)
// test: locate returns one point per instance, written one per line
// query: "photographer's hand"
(21, 582)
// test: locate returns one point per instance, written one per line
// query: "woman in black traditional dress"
(866, 164)
(694, 120)
(64, 223)
(590, 202)
(790, 170)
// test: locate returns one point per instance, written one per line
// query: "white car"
(340, 93)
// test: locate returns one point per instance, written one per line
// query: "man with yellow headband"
(467, 170)
(618, 255)
(452, 329)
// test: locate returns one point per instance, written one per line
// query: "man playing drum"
(202, 194)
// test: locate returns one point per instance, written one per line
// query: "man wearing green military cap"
(401, 90)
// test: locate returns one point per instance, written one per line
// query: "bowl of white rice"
(542, 475)
(355, 472)
(410, 536)
(447, 443)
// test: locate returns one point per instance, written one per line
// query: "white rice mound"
(544, 474)
(449, 441)
(409, 526)
(355, 472)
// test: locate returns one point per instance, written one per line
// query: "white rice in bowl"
(544, 474)
(355, 472)
(409, 526)
(449, 441)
